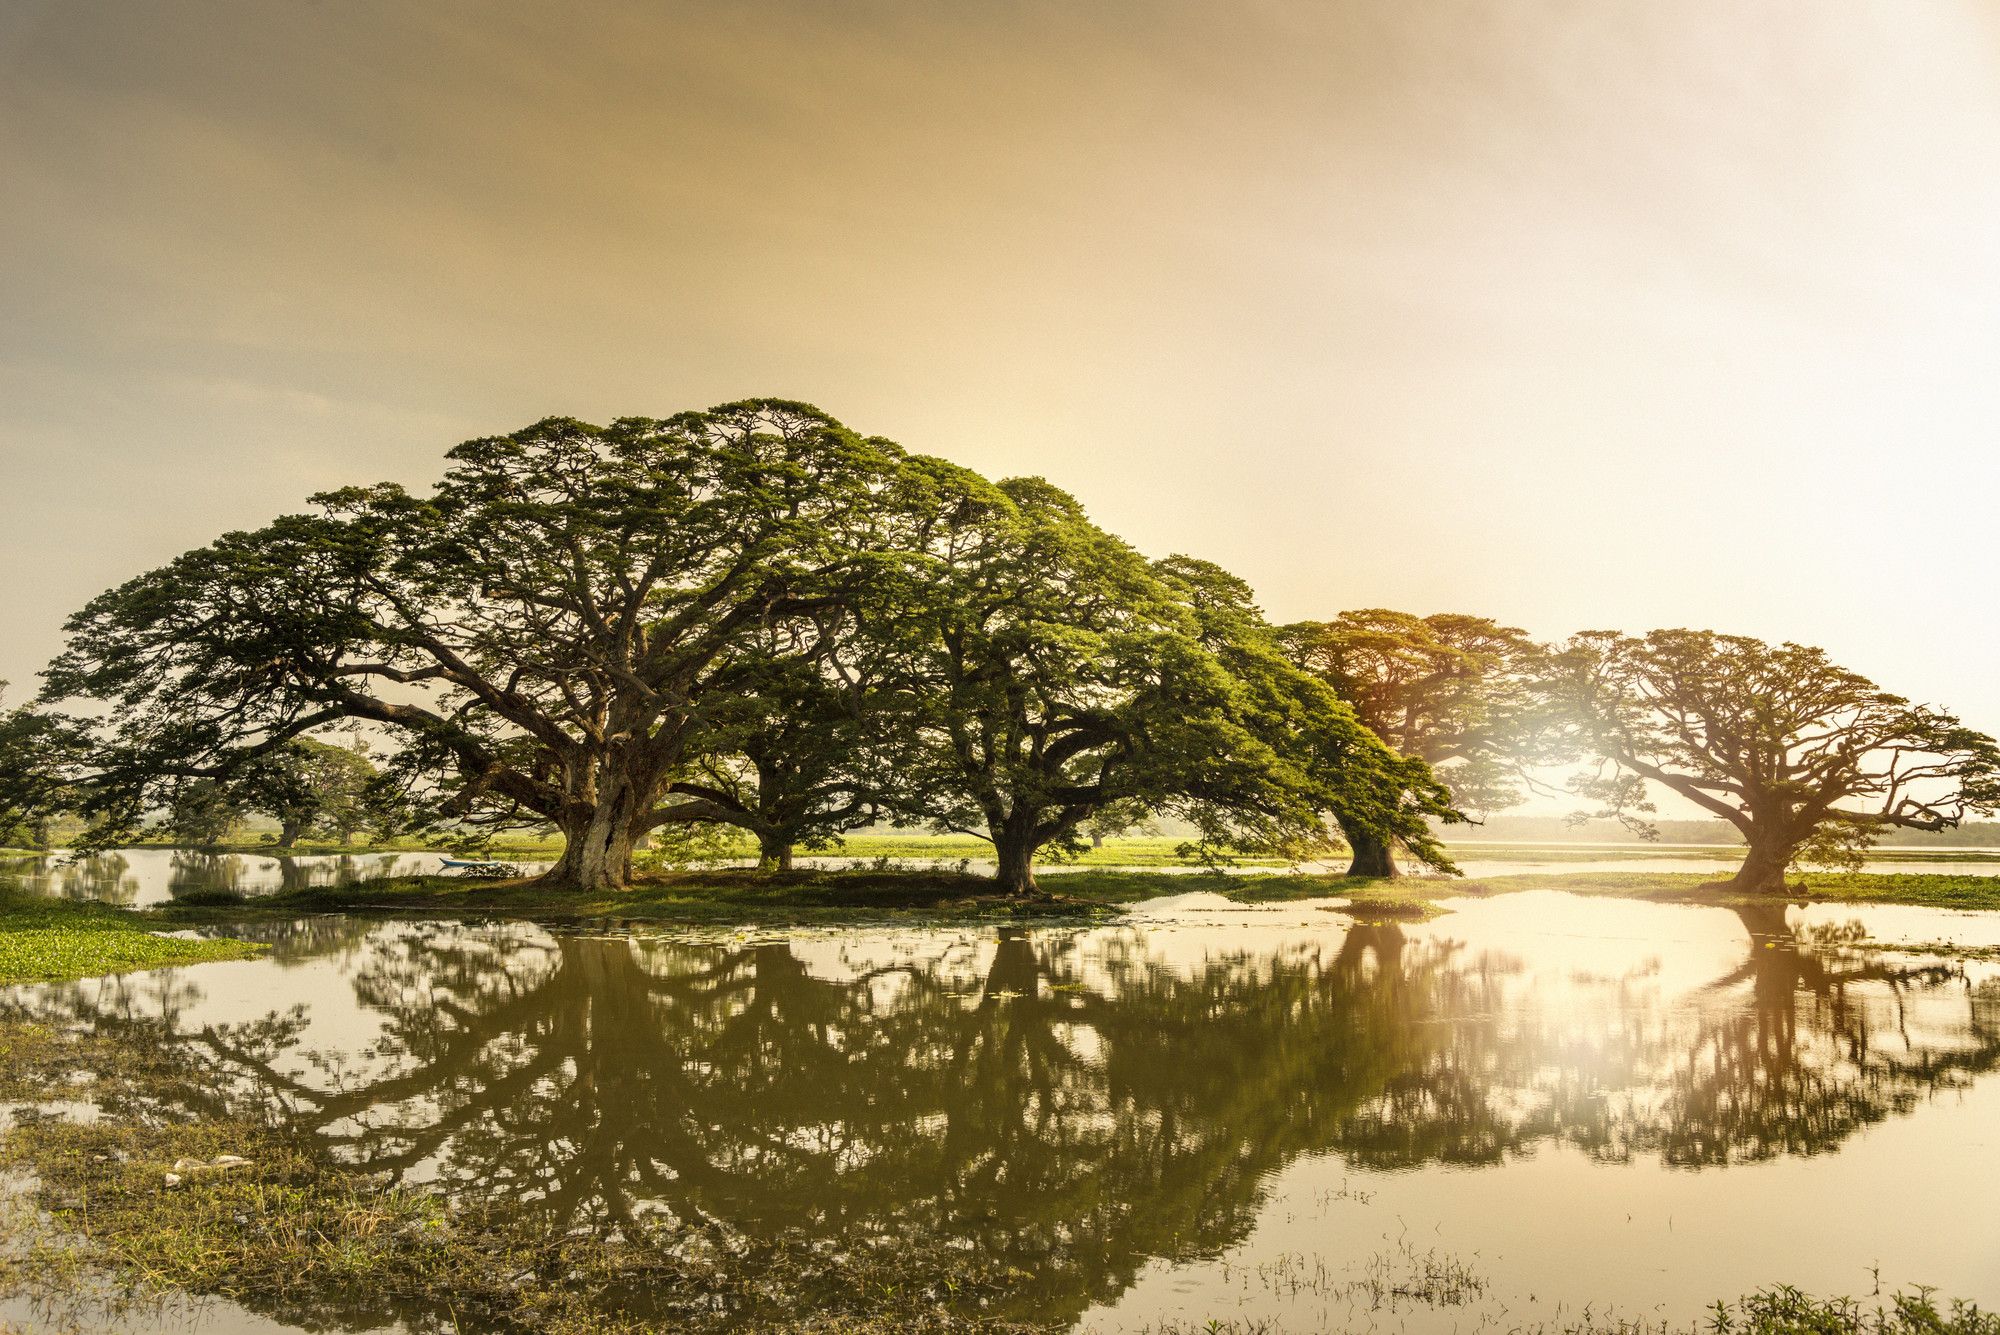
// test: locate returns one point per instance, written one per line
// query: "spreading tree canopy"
(810, 749)
(1054, 674)
(749, 616)
(548, 633)
(40, 755)
(1454, 691)
(1803, 757)
(307, 784)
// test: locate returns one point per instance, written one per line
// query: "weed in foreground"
(1778, 1310)
(168, 1191)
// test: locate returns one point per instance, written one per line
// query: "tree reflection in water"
(1065, 1100)
(106, 878)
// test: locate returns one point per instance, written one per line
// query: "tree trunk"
(1015, 852)
(1015, 968)
(1096, 840)
(289, 832)
(1763, 869)
(1765, 922)
(347, 836)
(1373, 855)
(773, 853)
(597, 851)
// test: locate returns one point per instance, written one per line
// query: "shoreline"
(43, 938)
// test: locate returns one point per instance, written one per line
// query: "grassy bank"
(816, 896)
(1932, 891)
(728, 895)
(864, 849)
(46, 939)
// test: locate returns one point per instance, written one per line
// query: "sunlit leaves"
(1804, 757)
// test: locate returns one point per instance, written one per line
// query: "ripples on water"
(1536, 1102)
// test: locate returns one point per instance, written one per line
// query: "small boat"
(468, 868)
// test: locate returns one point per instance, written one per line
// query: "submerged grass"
(167, 1191)
(47, 939)
(1777, 1310)
(1928, 890)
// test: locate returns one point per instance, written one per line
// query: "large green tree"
(1452, 690)
(546, 635)
(40, 755)
(809, 750)
(1054, 673)
(1795, 752)
(307, 784)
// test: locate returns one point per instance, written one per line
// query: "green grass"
(865, 848)
(522, 847)
(905, 894)
(1141, 852)
(1931, 891)
(46, 939)
(725, 895)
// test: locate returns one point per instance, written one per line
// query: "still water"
(143, 877)
(1537, 1103)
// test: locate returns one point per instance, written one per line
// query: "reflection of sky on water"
(1183, 1113)
(142, 877)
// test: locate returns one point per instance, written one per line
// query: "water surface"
(1537, 1102)
(145, 877)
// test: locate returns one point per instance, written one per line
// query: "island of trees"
(754, 618)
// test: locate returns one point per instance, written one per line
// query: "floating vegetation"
(1372, 909)
(43, 938)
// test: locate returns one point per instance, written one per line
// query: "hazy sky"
(1576, 313)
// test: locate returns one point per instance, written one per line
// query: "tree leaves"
(1804, 757)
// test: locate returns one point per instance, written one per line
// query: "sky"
(1580, 314)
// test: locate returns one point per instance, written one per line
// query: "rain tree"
(546, 636)
(1375, 797)
(307, 784)
(1803, 757)
(40, 754)
(809, 750)
(203, 812)
(1452, 690)
(1055, 674)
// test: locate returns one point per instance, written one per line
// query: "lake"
(1532, 1106)
(145, 877)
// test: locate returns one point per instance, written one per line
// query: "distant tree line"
(1561, 829)
(752, 617)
